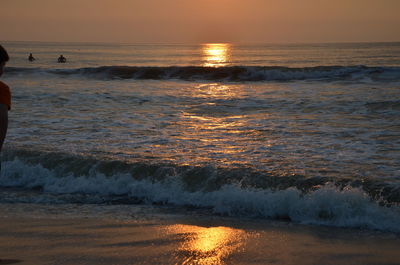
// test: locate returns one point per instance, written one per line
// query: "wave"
(233, 192)
(229, 73)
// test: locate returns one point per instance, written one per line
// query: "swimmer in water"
(62, 59)
(31, 58)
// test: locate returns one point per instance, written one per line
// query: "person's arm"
(3, 123)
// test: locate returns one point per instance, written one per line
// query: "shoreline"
(150, 236)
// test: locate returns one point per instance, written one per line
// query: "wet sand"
(187, 240)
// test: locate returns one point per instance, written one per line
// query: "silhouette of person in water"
(62, 59)
(31, 58)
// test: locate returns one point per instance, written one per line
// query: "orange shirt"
(5, 95)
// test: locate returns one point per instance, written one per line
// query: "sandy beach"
(64, 238)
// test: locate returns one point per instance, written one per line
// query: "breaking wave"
(229, 73)
(234, 192)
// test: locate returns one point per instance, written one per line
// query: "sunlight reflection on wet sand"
(207, 246)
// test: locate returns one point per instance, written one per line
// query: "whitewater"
(306, 133)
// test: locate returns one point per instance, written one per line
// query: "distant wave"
(369, 204)
(230, 73)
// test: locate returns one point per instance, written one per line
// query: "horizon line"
(202, 43)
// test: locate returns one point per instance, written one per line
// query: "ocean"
(306, 133)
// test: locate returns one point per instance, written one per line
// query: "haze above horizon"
(202, 21)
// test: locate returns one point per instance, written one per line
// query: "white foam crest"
(18, 174)
(350, 207)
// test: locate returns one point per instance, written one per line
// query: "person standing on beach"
(5, 99)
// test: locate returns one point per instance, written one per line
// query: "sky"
(200, 21)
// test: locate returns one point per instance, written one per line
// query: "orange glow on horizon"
(178, 21)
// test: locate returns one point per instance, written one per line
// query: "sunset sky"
(194, 21)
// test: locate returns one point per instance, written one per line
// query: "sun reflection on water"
(215, 54)
(206, 246)
(217, 124)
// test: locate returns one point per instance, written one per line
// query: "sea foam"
(325, 205)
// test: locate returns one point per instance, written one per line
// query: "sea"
(304, 133)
